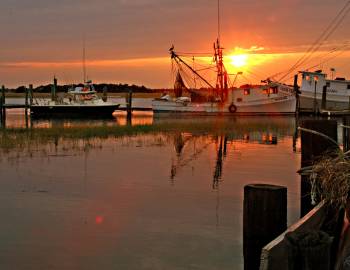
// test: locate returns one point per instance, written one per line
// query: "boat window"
(328, 84)
(246, 92)
(348, 86)
(273, 90)
(239, 100)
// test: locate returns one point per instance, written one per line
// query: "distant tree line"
(112, 88)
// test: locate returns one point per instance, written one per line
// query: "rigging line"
(326, 30)
(327, 60)
(334, 21)
(328, 35)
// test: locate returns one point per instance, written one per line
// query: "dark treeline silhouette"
(112, 88)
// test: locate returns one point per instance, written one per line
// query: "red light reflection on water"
(99, 220)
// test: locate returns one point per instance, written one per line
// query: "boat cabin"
(316, 80)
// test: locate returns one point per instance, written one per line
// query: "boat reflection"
(189, 146)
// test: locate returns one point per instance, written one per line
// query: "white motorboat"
(81, 101)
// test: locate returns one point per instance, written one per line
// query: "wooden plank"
(274, 255)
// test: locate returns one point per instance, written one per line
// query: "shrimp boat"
(79, 102)
(312, 85)
(268, 98)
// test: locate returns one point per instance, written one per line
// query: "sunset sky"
(128, 41)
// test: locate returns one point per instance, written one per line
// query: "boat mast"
(221, 81)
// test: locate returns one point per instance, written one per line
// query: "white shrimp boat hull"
(278, 105)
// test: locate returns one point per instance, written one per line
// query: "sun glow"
(239, 60)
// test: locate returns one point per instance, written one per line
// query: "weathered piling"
(264, 218)
(296, 91)
(346, 133)
(30, 95)
(313, 147)
(324, 98)
(104, 94)
(54, 89)
(1, 108)
(315, 98)
(26, 101)
(129, 104)
(2, 103)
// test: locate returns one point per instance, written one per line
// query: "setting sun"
(239, 60)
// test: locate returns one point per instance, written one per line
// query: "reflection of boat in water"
(221, 97)
(80, 102)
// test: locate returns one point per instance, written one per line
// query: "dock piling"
(129, 104)
(26, 101)
(312, 147)
(30, 95)
(264, 218)
(324, 98)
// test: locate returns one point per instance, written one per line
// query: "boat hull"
(72, 111)
(332, 103)
(284, 106)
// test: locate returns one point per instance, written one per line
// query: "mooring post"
(30, 95)
(296, 92)
(26, 101)
(313, 147)
(264, 218)
(346, 133)
(1, 109)
(3, 90)
(3, 101)
(54, 89)
(104, 94)
(129, 104)
(324, 98)
(315, 98)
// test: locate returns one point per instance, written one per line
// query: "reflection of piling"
(312, 147)
(264, 218)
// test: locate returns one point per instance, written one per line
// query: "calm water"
(156, 193)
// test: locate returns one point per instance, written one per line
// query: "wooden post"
(3, 94)
(296, 91)
(346, 134)
(30, 95)
(54, 89)
(315, 98)
(104, 94)
(312, 147)
(264, 218)
(129, 104)
(26, 101)
(324, 98)
(1, 109)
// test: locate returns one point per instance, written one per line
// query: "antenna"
(84, 62)
(219, 23)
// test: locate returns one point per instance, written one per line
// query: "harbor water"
(150, 193)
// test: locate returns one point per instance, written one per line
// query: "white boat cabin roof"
(319, 73)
